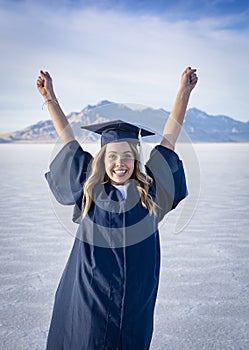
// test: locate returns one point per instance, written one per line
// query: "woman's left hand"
(189, 79)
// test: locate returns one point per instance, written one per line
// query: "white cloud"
(95, 55)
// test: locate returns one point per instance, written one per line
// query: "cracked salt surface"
(203, 300)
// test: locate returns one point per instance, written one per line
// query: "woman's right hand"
(45, 85)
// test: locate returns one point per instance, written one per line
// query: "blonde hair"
(98, 175)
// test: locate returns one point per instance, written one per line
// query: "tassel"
(141, 156)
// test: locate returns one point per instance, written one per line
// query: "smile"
(120, 172)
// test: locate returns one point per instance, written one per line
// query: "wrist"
(50, 100)
(49, 95)
(184, 92)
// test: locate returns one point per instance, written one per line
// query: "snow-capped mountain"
(198, 126)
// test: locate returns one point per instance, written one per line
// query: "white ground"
(203, 300)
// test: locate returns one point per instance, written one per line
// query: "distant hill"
(198, 126)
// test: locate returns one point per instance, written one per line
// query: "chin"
(119, 181)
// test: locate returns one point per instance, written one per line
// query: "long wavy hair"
(98, 175)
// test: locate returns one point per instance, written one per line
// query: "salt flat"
(203, 300)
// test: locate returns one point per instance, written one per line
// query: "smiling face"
(119, 162)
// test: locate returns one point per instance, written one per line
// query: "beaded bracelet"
(50, 100)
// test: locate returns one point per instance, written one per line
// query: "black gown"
(106, 296)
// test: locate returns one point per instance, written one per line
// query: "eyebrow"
(118, 152)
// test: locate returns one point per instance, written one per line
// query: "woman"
(107, 293)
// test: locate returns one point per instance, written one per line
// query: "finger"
(192, 74)
(40, 80)
(187, 70)
(45, 74)
(193, 79)
(190, 70)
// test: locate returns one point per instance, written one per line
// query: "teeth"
(120, 172)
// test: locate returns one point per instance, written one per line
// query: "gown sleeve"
(169, 180)
(67, 173)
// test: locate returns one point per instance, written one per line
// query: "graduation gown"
(106, 296)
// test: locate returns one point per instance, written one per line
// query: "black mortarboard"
(118, 130)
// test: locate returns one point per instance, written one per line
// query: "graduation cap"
(118, 131)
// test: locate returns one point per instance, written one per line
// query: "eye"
(127, 156)
(112, 156)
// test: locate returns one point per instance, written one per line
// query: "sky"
(122, 51)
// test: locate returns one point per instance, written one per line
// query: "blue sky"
(123, 51)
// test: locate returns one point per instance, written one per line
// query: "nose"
(119, 160)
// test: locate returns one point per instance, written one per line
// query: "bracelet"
(49, 101)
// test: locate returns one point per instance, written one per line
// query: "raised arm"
(174, 123)
(45, 86)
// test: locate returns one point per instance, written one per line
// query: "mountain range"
(198, 125)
